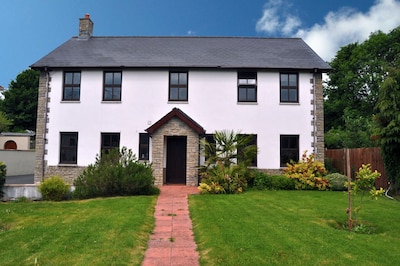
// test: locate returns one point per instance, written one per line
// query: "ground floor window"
(68, 147)
(143, 146)
(250, 140)
(289, 149)
(109, 141)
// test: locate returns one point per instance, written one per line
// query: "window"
(143, 146)
(209, 149)
(72, 86)
(109, 141)
(289, 88)
(242, 151)
(178, 86)
(112, 86)
(247, 86)
(289, 149)
(68, 147)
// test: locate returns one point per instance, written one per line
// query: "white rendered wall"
(212, 103)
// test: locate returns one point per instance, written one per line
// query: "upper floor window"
(143, 146)
(72, 86)
(289, 88)
(68, 147)
(178, 86)
(289, 149)
(247, 86)
(109, 141)
(112, 86)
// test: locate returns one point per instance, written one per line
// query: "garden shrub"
(3, 172)
(273, 182)
(307, 173)
(115, 173)
(54, 189)
(221, 179)
(337, 181)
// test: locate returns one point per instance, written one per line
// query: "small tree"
(4, 122)
(363, 185)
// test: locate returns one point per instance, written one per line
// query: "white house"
(159, 95)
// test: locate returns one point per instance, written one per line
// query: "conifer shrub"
(337, 181)
(54, 189)
(3, 172)
(115, 173)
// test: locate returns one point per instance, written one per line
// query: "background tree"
(388, 120)
(20, 100)
(4, 122)
(351, 93)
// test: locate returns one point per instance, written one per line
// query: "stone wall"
(68, 173)
(175, 127)
(319, 146)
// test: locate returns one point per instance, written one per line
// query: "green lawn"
(293, 228)
(112, 231)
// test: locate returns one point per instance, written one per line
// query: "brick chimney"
(85, 27)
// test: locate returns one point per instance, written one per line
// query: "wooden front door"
(176, 160)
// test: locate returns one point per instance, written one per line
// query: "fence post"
(348, 172)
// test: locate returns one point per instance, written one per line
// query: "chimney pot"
(87, 16)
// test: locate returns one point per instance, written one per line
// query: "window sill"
(67, 165)
(288, 103)
(178, 102)
(111, 102)
(247, 103)
(70, 101)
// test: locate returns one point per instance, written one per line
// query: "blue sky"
(32, 28)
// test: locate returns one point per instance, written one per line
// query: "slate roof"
(196, 52)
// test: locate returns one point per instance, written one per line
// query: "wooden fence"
(357, 157)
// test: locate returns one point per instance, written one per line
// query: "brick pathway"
(172, 241)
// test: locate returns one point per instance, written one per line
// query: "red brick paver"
(172, 241)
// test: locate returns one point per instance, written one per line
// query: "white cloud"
(272, 21)
(340, 27)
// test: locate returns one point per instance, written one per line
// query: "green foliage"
(20, 100)
(358, 71)
(388, 123)
(337, 181)
(3, 172)
(54, 189)
(273, 182)
(308, 174)
(221, 179)
(356, 132)
(363, 184)
(115, 173)
(228, 158)
(5, 123)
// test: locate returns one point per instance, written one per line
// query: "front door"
(176, 160)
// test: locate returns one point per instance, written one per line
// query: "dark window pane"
(77, 78)
(174, 94)
(174, 78)
(108, 93)
(251, 94)
(116, 94)
(117, 78)
(289, 149)
(183, 78)
(182, 94)
(108, 79)
(284, 80)
(68, 78)
(284, 95)
(76, 93)
(293, 80)
(242, 94)
(293, 96)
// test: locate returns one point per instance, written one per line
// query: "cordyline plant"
(307, 173)
(364, 184)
